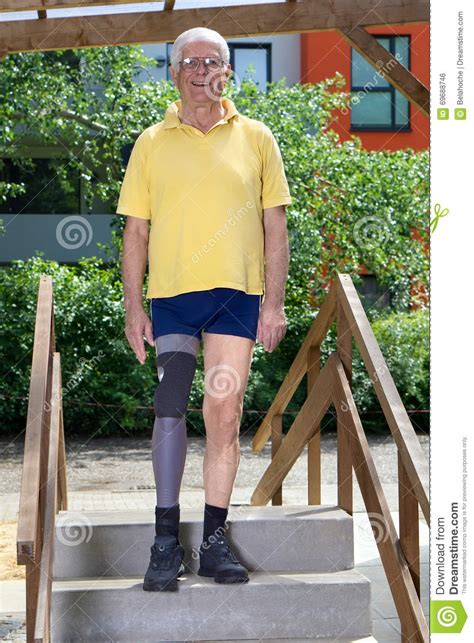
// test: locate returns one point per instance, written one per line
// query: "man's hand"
(134, 260)
(137, 327)
(271, 326)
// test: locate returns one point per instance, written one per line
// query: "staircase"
(302, 582)
(84, 572)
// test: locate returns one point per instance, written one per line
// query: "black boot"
(166, 561)
(217, 560)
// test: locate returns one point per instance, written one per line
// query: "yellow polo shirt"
(204, 195)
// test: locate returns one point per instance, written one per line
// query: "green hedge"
(104, 385)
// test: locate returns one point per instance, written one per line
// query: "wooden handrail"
(297, 370)
(397, 570)
(332, 385)
(395, 413)
(314, 444)
(42, 625)
(37, 426)
(344, 438)
(303, 427)
(43, 487)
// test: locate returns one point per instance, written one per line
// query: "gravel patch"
(124, 464)
(12, 627)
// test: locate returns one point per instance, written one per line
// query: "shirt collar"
(172, 120)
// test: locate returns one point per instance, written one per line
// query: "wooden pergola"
(46, 33)
(44, 484)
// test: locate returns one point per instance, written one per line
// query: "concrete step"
(302, 605)
(364, 639)
(317, 538)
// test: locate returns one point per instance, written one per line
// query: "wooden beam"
(388, 66)
(43, 613)
(62, 479)
(36, 5)
(409, 524)
(277, 439)
(298, 368)
(344, 441)
(314, 444)
(231, 22)
(28, 516)
(302, 429)
(395, 565)
(395, 413)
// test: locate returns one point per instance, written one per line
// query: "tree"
(350, 207)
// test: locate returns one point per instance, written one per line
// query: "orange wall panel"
(326, 52)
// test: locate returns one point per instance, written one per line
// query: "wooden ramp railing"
(43, 485)
(331, 384)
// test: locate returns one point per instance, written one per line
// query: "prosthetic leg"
(176, 363)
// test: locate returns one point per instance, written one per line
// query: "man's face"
(200, 85)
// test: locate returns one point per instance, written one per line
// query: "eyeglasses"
(191, 64)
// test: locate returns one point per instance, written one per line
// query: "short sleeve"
(275, 190)
(134, 196)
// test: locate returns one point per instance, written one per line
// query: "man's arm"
(134, 260)
(272, 322)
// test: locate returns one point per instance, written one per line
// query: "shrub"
(106, 390)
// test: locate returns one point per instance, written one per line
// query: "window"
(376, 104)
(372, 294)
(241, 56)
(259, 56)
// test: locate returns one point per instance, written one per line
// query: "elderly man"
(204, 193)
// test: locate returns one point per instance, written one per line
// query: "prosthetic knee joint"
(176, 363)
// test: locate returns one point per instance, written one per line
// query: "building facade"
(380, 116)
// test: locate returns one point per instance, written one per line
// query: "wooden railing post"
(277, 437)
(402, 587)
(409, 532)
(297, 370)
(32, 577)
(62, 482)
(409, 523)
(43, 477)
(33, 568)
(331, 384)
(43, 614)
(314, 444)
(310, 415)
(344, 455)
(393, 409)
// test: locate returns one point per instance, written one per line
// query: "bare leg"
(227, 360)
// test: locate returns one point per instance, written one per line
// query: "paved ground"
(117, 474)
(117, 465)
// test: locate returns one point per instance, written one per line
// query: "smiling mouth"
(199, 84)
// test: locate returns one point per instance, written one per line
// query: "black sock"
(167, 520)
(214, 521)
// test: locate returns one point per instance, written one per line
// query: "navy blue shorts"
(226, 311)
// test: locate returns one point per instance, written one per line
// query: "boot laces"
(225, 553)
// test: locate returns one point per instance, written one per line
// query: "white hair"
(198, 34)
